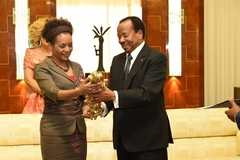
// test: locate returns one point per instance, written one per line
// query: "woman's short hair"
(55, 27)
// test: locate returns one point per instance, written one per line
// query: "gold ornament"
(95, 108)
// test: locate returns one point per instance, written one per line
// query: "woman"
(40, 49)
(62, 127)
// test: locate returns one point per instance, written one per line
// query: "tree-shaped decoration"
(99, 51)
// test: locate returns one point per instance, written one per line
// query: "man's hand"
(104, 95)
(233, 110)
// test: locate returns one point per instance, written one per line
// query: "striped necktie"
(126, 70)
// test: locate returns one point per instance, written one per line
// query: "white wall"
(221, 49)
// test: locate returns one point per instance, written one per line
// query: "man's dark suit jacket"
(237, 119)
(141, 119)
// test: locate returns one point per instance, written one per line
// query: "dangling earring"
(38, 44)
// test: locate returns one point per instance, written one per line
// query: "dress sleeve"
(28, 59)
(32, 58)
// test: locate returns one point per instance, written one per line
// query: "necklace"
(65, 69)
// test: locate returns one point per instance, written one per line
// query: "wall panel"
(186, 91)
(12, 91)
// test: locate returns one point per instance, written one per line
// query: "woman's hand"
(85, 111)
(86, 87)
(86, 115)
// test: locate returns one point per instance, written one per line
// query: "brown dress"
(62, 127)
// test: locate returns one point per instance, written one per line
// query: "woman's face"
(62, 48)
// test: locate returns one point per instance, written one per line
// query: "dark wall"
(12, 91)
(186, 91)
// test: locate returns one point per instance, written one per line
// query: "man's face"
(127, 37)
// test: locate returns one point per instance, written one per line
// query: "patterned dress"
(35, 102)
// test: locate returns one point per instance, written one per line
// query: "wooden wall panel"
(180, 92)
(12, 91)
(186, 91)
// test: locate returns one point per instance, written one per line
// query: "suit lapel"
(139, 61)
(121, 65)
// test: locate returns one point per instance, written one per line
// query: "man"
(141, 129)
(234, 112)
